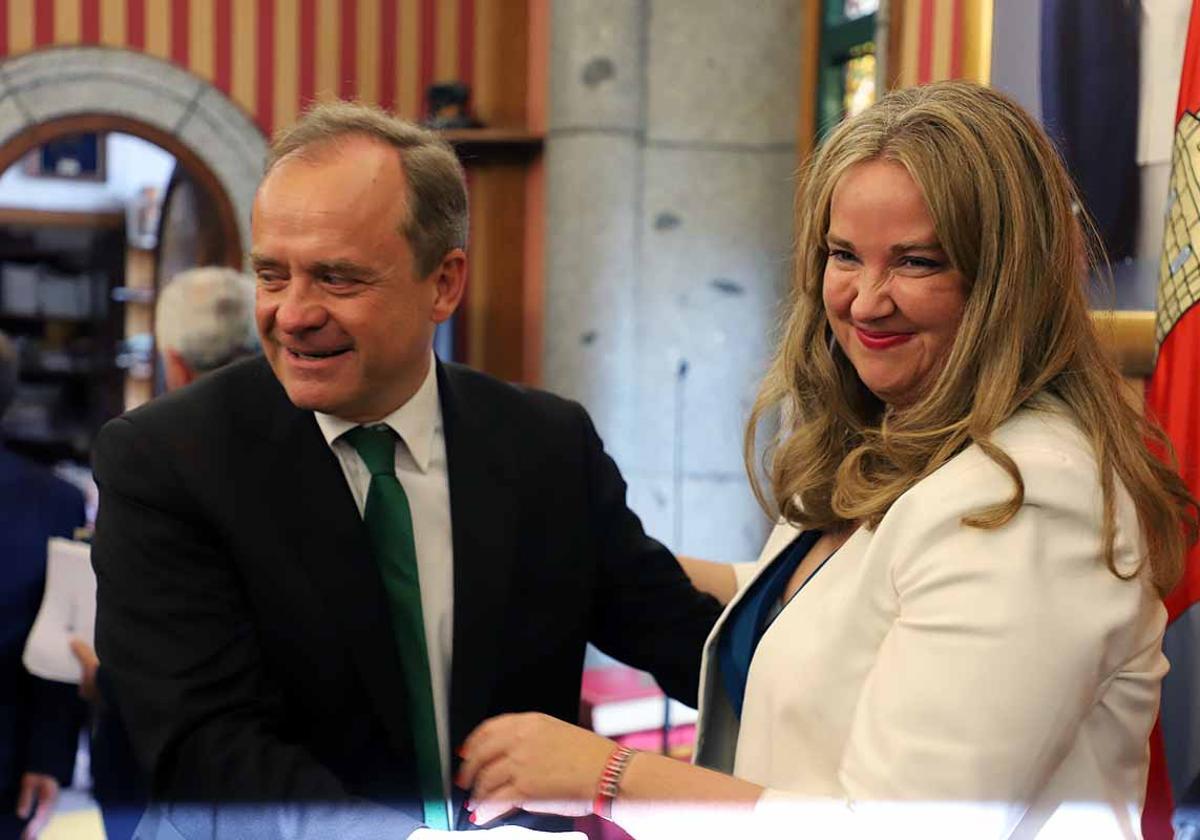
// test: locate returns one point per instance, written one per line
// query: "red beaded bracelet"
(610, 780)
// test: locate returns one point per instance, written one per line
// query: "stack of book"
(627, 705)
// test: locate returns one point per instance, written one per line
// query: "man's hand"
(533, 762)
(89, 663)
(41, 791)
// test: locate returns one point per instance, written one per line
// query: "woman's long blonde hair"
(1010, 220)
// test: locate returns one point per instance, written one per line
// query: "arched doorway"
(196, 170)
(218, 151)
(50, 92)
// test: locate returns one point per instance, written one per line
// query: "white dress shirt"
(421, 470)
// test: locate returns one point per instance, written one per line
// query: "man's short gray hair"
(437, 218)
(206, 315)
(8, 373)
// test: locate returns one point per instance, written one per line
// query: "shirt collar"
(415, 422)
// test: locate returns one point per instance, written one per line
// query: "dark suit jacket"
(244, 623)
(39, 720)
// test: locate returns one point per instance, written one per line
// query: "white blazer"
(937, 680)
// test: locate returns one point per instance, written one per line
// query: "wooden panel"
(188, 232)
(490, 145)
(539, 62)
(501, 62)
(495, 305)
(893, 70)
(60, 218)
(810, 66)
(534, 271)
(1129, 337)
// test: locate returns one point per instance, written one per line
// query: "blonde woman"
(956, 628)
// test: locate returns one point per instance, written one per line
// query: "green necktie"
(389, 524)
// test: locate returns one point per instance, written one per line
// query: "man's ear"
(176, 372)
(450, 279)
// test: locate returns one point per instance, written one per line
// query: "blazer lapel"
(330, 541)
(483, 512)
(714, 745)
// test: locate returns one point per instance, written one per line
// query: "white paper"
(68, 612)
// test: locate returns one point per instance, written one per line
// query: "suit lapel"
(330, 541)
(483, 515)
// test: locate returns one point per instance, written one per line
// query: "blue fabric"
(1089, 91)
(39, 719)
(748, 620)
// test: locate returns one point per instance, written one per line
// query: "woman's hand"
(533, 762)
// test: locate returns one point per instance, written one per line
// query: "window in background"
(852, 9)
(846, 77)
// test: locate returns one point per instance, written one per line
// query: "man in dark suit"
(320, 570)
(40, 720)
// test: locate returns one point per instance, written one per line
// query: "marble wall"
(670, 159)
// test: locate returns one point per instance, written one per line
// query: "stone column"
(722, 93)
(678, 256)
(593, 172)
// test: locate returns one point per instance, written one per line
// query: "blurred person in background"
(203, 320)
(40, 720)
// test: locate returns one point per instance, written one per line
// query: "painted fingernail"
(471, 817)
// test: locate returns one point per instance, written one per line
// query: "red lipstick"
(880, 340)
